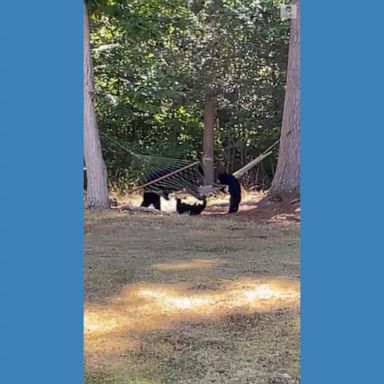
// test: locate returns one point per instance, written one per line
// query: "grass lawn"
(202, 299)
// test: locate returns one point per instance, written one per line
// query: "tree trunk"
(286, 182)
(97, 185)
(208, 153)
(209, 108)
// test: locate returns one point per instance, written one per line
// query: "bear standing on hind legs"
(234, 190)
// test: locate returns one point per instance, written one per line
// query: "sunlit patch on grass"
(171, 300)
(188, 265)
(148, 307)
(99, 322)
(267, 292)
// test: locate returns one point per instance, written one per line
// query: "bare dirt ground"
(193, 299)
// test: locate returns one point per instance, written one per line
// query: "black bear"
(191, 209)
(234, 190)
(150, 197)
(153, 198)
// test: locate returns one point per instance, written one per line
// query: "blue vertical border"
(342, 192)
(41, 216)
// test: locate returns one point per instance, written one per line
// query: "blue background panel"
(41, 217)
(342, 208)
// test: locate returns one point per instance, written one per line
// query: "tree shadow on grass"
(153, 323)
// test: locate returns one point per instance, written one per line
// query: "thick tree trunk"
(208, 153)
(97, 185)
(286, 182)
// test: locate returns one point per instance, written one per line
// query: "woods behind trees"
(156, 65)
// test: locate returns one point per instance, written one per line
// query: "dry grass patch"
(179, 299)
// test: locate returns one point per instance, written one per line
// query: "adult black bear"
(234, 190)
(191, 209)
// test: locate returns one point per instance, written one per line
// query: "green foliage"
(154, 62)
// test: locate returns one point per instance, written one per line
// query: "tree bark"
(209, 106)
(286, 182)
(97, 179)
(208, 152)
